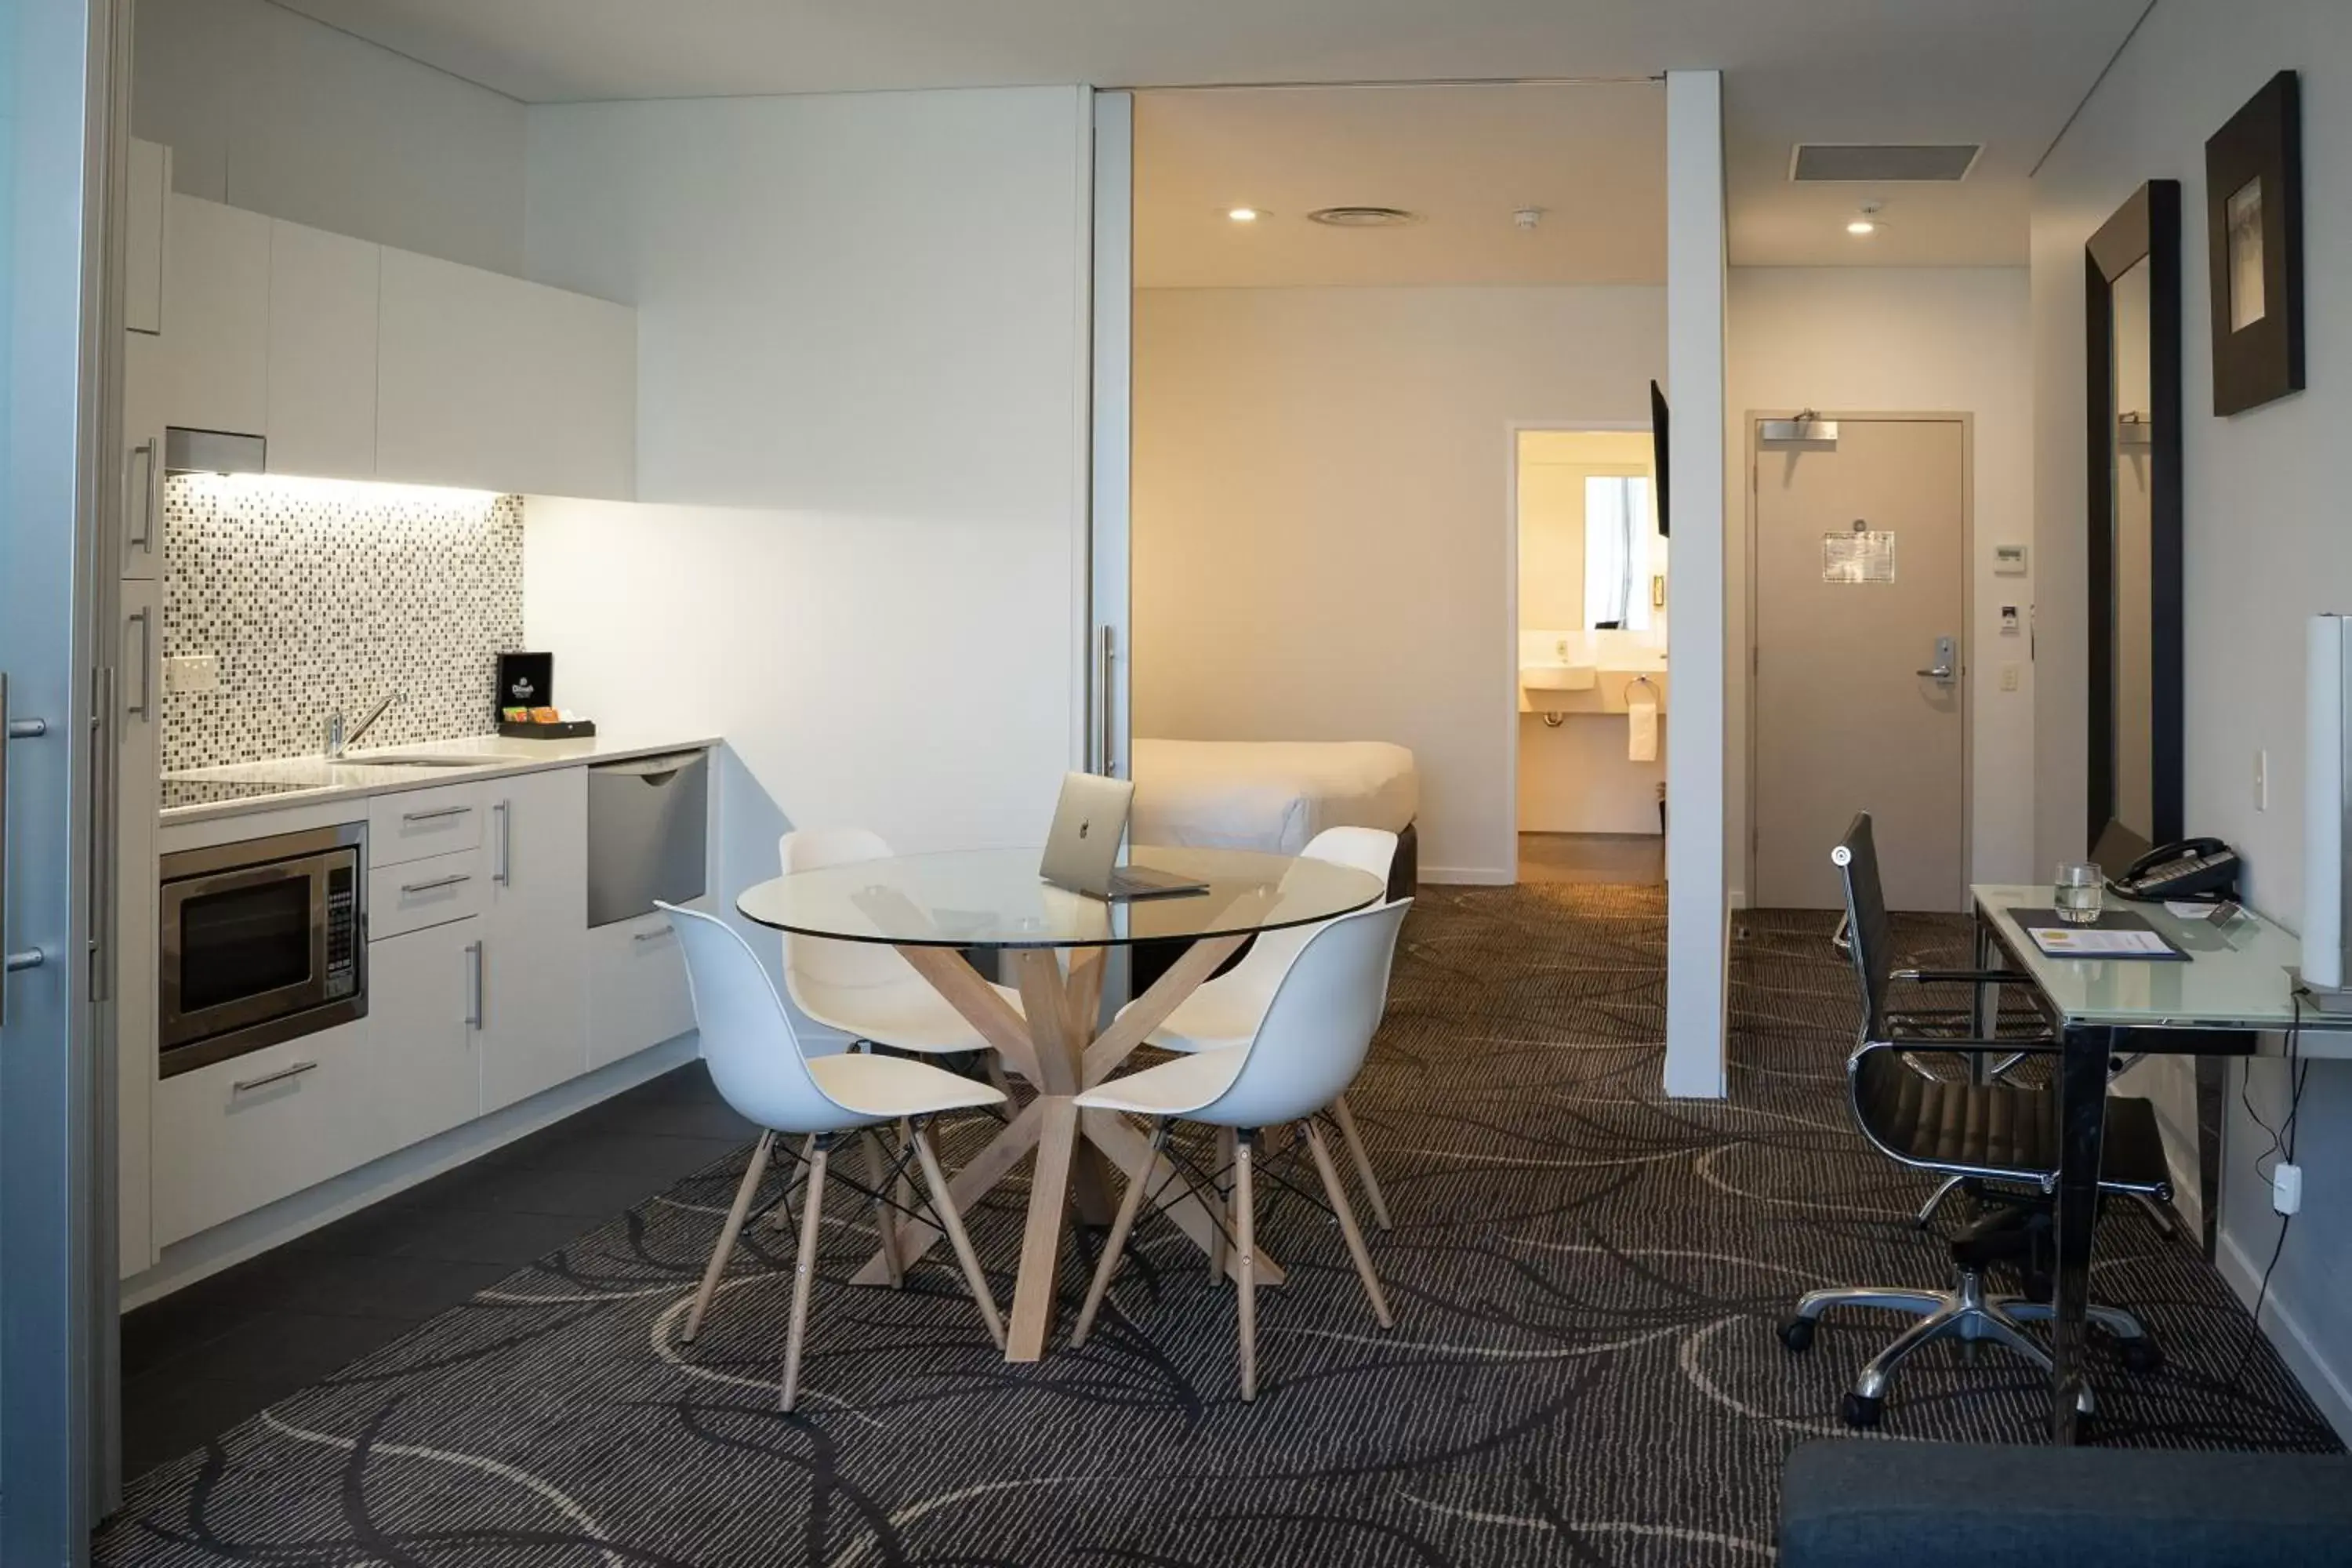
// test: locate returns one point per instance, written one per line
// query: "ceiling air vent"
(1364, 217)
(1881, 164)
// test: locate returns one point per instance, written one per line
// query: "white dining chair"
(1224, 1012)
(756, 1062)
(1304, 1053)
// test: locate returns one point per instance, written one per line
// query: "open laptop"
(1082, 852)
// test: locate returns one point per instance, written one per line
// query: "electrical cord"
(2282, 1144)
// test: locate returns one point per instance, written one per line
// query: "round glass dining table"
(934, 907)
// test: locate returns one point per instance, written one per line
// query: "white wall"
(861, 447)
(2266, 546)
(1906, 341)
(272, 111)
(1323, 534)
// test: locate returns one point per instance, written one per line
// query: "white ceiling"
(1463, 158)
(2006, 72)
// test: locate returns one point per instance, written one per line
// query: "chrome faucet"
(338, 737)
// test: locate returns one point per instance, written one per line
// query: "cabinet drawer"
(637, 995)
(419, 823)
(234, 1136)
(419, 893)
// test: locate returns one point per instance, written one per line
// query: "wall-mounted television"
(1658, 446)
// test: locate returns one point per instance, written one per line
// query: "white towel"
(1642, 732)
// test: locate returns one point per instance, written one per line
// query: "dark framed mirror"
(2133, 354)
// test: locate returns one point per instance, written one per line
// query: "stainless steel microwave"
(263, 941)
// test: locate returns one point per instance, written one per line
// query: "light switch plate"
(2009, 678)
(192, 673)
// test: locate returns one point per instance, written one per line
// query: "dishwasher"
(648, 833)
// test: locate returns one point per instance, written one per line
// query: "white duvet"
(1269, 794)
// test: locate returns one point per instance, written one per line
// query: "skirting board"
(1468, 876)
(2286, 1334)
(248, 1236)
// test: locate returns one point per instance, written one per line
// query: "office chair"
(1998, 1132)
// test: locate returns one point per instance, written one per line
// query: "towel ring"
(1641, 680)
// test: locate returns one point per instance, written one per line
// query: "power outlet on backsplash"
(192, 674)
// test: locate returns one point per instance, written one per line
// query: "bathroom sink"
(1559, 677)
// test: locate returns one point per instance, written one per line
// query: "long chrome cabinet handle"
(504, 875)
(656, 934)
(474, 978)
(12, 730)
(143, 708)
(435, 885)
(434, 815)
(247, 1086)
(151, 450)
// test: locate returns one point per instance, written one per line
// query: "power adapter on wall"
(2286, 1188)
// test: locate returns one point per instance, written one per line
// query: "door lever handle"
(1946, 669)
(1941, 672)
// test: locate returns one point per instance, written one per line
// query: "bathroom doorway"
(1589, 654)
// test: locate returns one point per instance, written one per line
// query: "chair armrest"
(1964, 976)
(1854, 1504)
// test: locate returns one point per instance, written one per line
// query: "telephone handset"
(2193, 870)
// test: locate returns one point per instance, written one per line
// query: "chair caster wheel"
(1797, 1333)
(2142, 1355)
(1861, 1410)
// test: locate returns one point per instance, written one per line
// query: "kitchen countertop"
(362, 774)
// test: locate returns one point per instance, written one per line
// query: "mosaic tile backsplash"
(318, 594)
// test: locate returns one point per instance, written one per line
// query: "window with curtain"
(1616, 552)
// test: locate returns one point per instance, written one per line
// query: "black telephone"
(2194, 870)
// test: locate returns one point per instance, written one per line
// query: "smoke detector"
(1527, 219)
(1363, 217)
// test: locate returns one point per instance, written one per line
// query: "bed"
(1275, 795)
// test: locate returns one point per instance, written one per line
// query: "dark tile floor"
(202, 1360)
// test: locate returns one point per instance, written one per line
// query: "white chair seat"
(1170, 1089)
(907, 1016)
(1215, 1017)
(885, 1088)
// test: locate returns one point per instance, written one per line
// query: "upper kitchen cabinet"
(490, 381)
(322, 352)
(143, 279)
(216, 305)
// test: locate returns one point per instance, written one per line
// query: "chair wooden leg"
(804, 1275)
(1220, 1212)
(1245, 1243)
(997, 1078)
(744, 1193)
(974, 1278)
(1137, 1182)
(780, 1217)
(886, 1223)
(1346, 1118)
(1347, 1226)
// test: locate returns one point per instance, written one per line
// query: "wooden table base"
(1051, 1040)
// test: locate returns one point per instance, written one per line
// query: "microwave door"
(242, 947)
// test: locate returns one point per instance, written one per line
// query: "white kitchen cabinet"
(432, 891)
(423, 1056)
(637, 994)
(490, 382)
(234, 1136)
(143, 277)
(139, 764)
(217, 298)
(142, 457)
(322, 349)
(415, 824)
(535, 945)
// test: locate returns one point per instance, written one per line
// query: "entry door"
(1860, 685)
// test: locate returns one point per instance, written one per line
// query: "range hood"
(213, 452)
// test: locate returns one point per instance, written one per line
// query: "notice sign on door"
(1859, 557)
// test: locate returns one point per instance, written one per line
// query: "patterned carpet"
(1583, 1370)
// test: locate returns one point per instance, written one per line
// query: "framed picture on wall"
(2253, 226)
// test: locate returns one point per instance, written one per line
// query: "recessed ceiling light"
(1867, 224)
(1861, 226)
(1245, 215)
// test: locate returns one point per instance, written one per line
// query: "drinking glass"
(2075, 896)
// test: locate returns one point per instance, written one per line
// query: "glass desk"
(931, 907)
(2233, 988)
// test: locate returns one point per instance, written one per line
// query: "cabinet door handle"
(434, 886)
(152, 452)
(474, 985)
(656, 934)
(434, 815)
(144, 708)
(247, 1086)
(504, 875)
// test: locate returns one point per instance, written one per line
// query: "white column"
(1695, 865)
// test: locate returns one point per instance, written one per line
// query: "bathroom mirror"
(1592, 558)
(2133, 357)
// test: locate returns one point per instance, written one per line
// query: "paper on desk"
(2092, 942)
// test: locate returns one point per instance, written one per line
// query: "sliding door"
(1110, 671)
(54, 114)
